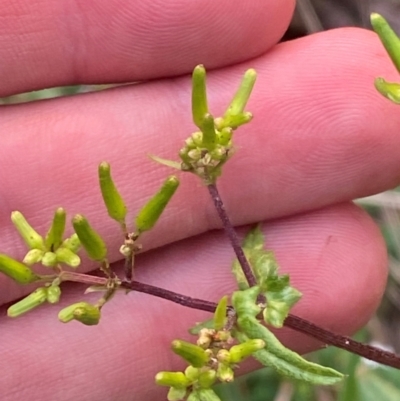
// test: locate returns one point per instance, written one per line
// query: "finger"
(316, 140)
(63, 43)
(335, 256)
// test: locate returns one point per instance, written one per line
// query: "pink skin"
(321, 137)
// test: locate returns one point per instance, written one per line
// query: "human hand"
(321, 136)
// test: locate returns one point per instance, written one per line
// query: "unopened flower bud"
(207, 378)
(205, 337)
(89, 238)
(33, 256)
(176, 394)
(53, 294)
(29, 235)
(243, 350)
(30, 302)
(112, 199)
(82, 311)
(199, 95)
(172, 379)
(49, 259)
(64, 255)
(225, 373)
(192, 373)
(192, 353)
(152, 210)
(16, 270)
(194, 154)
(224, 356)
(72, 243)
(197, 138)
(87, 314)
(125, 250)
(54, 237)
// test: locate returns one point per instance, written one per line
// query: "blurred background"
(366, 381)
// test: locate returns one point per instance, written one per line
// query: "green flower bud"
(16, 270)
(242, 95)
(194, 154)
(54, 237)
(197, 139)
(199, 95)
(125, 250)
(172, 379)
(224, 136)
(33, 256)
(152, 210)
(207, 378)
(112, 199)
(209, 134)
(53, 294)
(242, 351)
(192, 373)
(206, 394)
(81, 311)
(30, 302)
(219, 153)
(87, 314)
(224, 356)
(225, 373)
(388, 89)
(49, 259)
(205, 336)
(194, 396)
(176, 394)
(89, 238)
(191, 353)
(220, 313)
(29, 235)
(190, 144)
(235, 121)
(72, 243)
(64, 255)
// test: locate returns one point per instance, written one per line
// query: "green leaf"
(220, 313)
(388, 37)
(377, 384)
(165, 162)
(280, 296)
(254, 239)
(280, 299)
(282, 359)
(244, 302)
(207, 324)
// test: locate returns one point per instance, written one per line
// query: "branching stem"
(293, 322)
